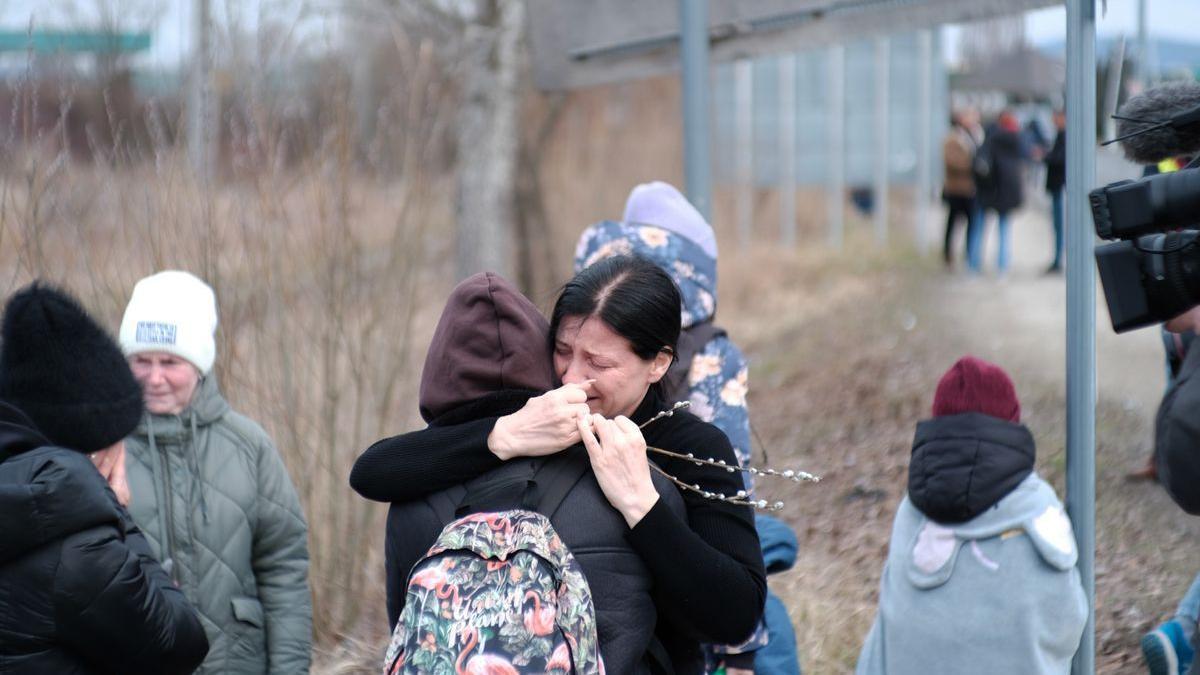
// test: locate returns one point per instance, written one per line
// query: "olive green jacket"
(212, 495)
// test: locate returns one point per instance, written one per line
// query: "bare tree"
(488, 139)
(482, 41)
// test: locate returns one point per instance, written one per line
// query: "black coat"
(963, 464)
(1056, 163)
(685, 554)
(1001, 161)
(80, 592)
(1177, 436)
(621, 585)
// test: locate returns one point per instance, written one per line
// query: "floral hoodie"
(717, 377)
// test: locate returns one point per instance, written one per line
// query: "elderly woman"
(613, 333)
(210, 490)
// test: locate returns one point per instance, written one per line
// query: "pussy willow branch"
(794, 476)
(742, 497)
(666, 413)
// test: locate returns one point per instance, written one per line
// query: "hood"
(17, 433)
(490, 338)
(46, 494)
(208, 406)
(694, 271)
(662, 205)
(963, 464)
(1031, 509)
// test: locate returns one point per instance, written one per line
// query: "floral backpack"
(499, 592)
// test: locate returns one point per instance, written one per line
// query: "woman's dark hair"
(632, 295)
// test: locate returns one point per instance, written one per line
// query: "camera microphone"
(1160, 123)
(1153, 272)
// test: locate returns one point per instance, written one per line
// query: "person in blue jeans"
(959, 149)
(1056, 179)
(998, 169)
(1169, 648)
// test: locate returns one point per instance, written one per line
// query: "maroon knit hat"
(974, 385)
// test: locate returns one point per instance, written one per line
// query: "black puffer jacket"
(79, 590)
(963, 464)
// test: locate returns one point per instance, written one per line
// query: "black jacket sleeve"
(116, 606)
(417, 464)
(1057, 157)
(708, 572)
(1177, 437)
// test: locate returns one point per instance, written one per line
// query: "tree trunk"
(488, 141)
(538, 267)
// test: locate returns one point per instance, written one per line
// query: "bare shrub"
(323, 266)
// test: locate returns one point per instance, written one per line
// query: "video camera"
(1152, 272)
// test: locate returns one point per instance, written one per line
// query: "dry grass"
(330, 279)
(330, 274)
(846, 351)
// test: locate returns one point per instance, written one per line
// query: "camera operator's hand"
(1189, 320)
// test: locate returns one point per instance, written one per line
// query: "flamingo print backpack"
(499, 592)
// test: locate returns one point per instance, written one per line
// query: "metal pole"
(1081, 308)
(1142, 63)
(924, 136)
(1112, 87)
(201, 139)
(693, 53)
(787, 150)
(743, 97)
(835, 195)
(882, 151)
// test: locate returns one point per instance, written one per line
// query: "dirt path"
(1144, 558)
(847, 351)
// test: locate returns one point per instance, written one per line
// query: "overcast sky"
(1177, 19)
(1167, 18)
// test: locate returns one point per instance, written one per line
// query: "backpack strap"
(555, 479)
(496, 493)
(657, 658)
(542, 487)
(445, 503)
(692, 341)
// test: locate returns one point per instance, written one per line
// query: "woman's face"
(168, 381)
(585, 348)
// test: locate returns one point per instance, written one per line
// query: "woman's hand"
(617, 451)
(544, 425)
(110, 462)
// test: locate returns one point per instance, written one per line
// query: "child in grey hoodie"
(980, 575)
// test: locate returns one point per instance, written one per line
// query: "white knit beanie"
(172, 312)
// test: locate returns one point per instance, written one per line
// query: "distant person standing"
(999, 166)
(1056, 179)
(958, 190)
